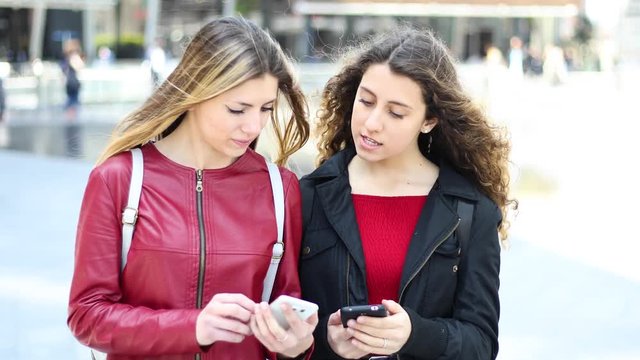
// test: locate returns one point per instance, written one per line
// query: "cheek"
(358, 117)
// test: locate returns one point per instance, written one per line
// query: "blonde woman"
(203, 240)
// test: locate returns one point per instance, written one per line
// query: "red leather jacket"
(181, 254)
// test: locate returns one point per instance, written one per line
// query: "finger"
(367, 339)
(263, 332)
(393, 307)
(372, 323)
(235, 298)
(222, 335)
(228, 324)
(232, 310)
(365, 347)
(368, 325)
(272, 324)
(334, 319)
(313, 320)
(300, 328)
(338, 333)
(262, 324)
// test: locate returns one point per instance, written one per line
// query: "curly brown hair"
(463, 135)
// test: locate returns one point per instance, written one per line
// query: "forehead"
(260, 89)
(390, 86)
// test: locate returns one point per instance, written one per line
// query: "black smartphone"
(352, 312)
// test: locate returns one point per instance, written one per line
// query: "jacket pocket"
(316, 242)
(449, 249)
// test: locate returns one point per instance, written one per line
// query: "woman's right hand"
(340, 340)
(225, 318)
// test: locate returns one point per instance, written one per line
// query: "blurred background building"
(308, 29)
(117, 32)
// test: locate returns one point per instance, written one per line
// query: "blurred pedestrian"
(206, 223)
(516, 58)
(495, 77)
(554, 67)
(71, 64)
(105, 56)
(403, 149)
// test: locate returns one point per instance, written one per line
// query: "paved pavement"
(570, 281)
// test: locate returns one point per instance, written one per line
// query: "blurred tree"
(244, 7)
(586, 57)
(584, 30)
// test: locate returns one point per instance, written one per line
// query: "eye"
(267, 109)
(395, 115)
(234, 111)
(365, 102)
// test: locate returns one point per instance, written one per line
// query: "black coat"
(450, 294)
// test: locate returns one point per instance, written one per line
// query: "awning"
(432, 9)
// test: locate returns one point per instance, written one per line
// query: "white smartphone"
(303, 308)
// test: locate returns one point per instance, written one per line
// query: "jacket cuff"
(428, 337)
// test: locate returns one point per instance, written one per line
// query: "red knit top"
(386, 226)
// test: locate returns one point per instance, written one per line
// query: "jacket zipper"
(199, 188)
(425, 262)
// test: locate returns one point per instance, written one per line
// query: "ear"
(428, 125)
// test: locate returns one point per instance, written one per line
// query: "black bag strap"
(465, 212)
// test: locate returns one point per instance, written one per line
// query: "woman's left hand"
(290, 343)
(382, 336)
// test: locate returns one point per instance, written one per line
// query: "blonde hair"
(463, 136)
(223, 54)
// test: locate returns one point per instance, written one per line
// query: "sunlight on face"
(388, 115)
(231, 121)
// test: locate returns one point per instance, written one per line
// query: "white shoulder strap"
(129, 218)
(130, 213)
(278, 247)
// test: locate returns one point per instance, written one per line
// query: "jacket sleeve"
(97, 316)
(472, 331)
(287, 281)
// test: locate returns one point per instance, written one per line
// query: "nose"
(254, 124)
(373, 122)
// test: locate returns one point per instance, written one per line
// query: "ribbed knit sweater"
(386, 225)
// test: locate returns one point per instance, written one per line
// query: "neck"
(413, 175)
(397, 167)
(186, 147)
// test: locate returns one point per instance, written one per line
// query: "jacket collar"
(449, 181)
(437, 219)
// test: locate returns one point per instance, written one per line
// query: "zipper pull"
(199, 181)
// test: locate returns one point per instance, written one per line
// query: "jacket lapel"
(437, 219)
(335, 199)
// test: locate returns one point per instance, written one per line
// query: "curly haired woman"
(401, 147)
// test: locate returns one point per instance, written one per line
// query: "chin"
(367, 156)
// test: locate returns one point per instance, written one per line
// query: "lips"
(369, 141)
(243, 142)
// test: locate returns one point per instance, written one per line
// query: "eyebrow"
(394, 102)
(244, 104)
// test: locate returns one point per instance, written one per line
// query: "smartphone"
(352, 312)
(302, 308)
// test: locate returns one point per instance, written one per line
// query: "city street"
(570, 281)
